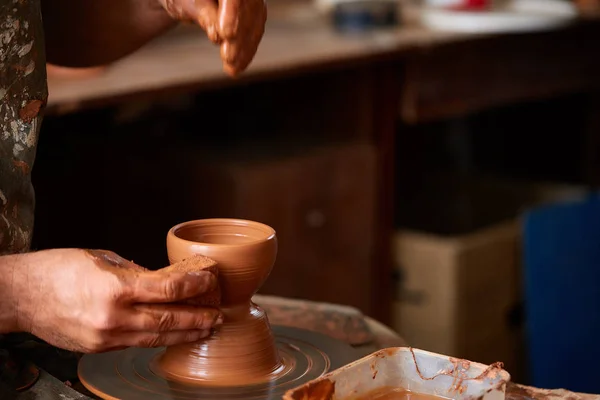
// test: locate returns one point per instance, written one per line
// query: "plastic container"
(419, 371)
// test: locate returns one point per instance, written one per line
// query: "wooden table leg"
(386, 97)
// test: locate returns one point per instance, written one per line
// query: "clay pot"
(242, 351)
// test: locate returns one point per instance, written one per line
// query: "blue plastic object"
(365, 15)
(562, 295)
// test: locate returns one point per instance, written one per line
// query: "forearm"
(84, 33)
(8, 301)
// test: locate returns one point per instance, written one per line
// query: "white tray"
(516, 16)
(411, 369)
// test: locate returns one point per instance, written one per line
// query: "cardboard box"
(456, 295)
(460, 294)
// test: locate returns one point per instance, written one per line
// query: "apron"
(23, 95)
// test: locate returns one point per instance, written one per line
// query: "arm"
(8, 320)
(85, 33)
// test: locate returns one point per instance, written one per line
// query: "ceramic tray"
(412, 369)
(515, 16)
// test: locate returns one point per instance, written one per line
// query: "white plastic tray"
(518, 16)
(411, 369)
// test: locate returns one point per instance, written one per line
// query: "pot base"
(241, 352)
(131, 373)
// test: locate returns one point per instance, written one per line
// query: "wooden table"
(298, 40)
(407, 75)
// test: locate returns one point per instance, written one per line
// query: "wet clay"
(390, 393)
(319, 390)
(242, 351)
(197, 264)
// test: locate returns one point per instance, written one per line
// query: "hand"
(95, 301)
(237, 25)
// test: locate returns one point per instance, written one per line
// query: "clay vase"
(242, 351)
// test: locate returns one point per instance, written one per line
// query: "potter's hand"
(95, 301)
(237, 25)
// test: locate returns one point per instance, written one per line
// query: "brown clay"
(320, 390)
(243, 350)
(197, 264)
(389, 393)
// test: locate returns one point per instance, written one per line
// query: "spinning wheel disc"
(132, 374)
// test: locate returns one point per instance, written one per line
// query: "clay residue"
(391, 351)
(392, 393)
(459, 373)
(340, 322)
(22, 166)
(374, 369)
(196, 264)
(320, 390)
(31, 110)
(491, 372)
(520, 392)
(102, 257)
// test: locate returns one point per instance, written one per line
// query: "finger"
(231, 55)
(161, 287)
(231, 70)
(229, 17)
(149, 339)
(229, 52)
(238, 55)
(206, 14)
(165, 318)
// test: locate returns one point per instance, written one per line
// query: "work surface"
(445, 73)
(341, 322)
(296, 38)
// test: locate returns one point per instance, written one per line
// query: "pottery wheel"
(130, 374)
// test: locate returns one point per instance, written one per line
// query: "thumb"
(161, 287)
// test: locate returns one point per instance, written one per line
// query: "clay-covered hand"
(236, 25)
(94, 301)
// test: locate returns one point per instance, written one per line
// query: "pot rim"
(269, 231)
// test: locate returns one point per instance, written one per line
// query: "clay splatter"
(320, 390)
(459, 373)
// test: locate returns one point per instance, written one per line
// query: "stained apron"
(23, 96)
